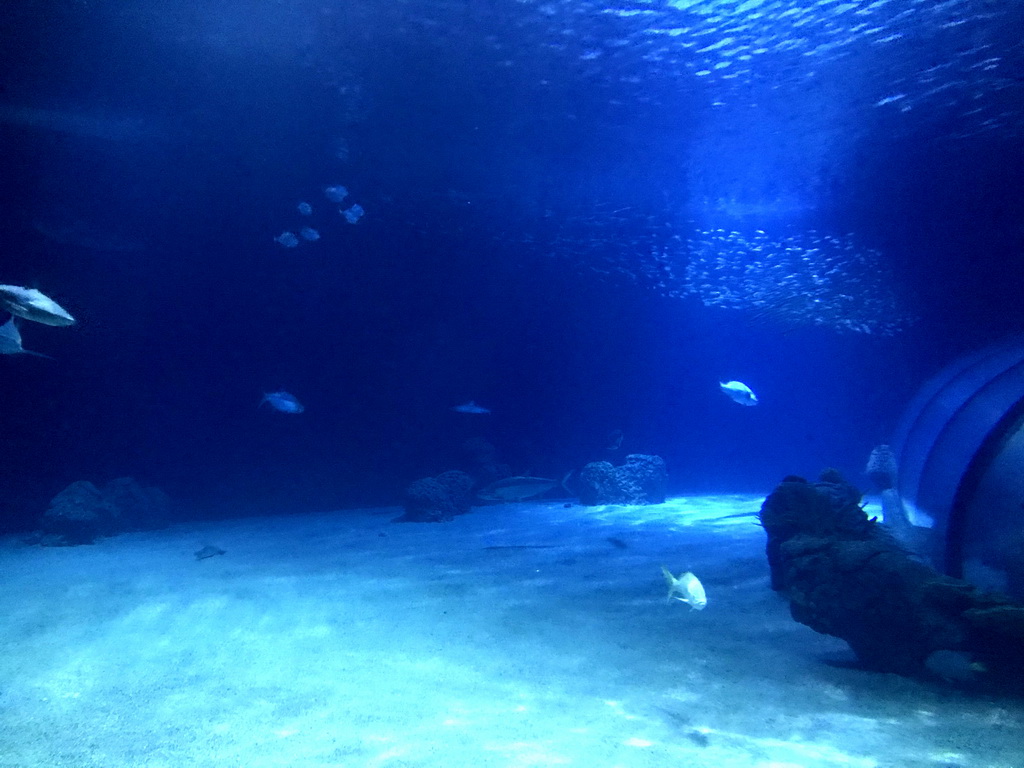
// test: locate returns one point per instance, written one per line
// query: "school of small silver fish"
(334, 194)
(808, 278)
(802, 278)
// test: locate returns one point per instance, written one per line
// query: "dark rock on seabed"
(641, 480)
(845, 575)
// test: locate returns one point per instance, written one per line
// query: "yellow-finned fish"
(688, 587)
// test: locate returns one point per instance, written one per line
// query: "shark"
(10, 341)
(30, 304)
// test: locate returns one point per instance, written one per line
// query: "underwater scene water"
(512, 383)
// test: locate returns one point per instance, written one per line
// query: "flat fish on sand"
(209, 551)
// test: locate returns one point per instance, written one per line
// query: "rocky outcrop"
(82, 513)
(845, 575)
(436, 499)
(641, 480)
(483, 462)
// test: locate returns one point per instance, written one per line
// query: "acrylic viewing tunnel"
(961, 462)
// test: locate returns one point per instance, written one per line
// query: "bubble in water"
(287, 239)
(335, 194)
(305, 209)
(353, 214)
(309, 234)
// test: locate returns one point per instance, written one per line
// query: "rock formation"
(641, 480)
(846, 575)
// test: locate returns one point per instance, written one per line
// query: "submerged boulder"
(82, 513)
(641, 480)
(845, 575)
(78, 515)
(138, 508)
(436, 499)
(483, 462)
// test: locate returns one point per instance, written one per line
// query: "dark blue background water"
(476, 139)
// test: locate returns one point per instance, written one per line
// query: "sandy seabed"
(519, 635)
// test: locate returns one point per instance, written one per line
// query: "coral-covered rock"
(598, 484)
(845, 575)
(138, 508)
(82, 513)
(435, 499)
(483, 462)
(79, 514)
(641, 480)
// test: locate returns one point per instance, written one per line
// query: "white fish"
(305, 209)
(283, 402)
(470, 407)
(10, 341)
(688, 586)
(739, 392)
(287, 239)
(308, 233)
(33, 305)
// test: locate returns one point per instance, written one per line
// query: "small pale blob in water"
(335, 194)
(283, 402)
(341, 150)
(353, 214)
(470, 407)
(309, 234)
(10, 341)
(287, 239)
(30, 304)
(686, 589)
(614, 440)
(738, 392)
(305, 209)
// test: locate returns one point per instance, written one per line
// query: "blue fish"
(738, 392)
(354, 214)
(287, 239)
(470, 407)
(283, 402)
(335, 194)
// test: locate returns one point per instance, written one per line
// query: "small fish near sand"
(209, 551)
(10, 341)
(738, 392)
(30, 304)
(470, 407)
(686, 588)
(283, 402)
